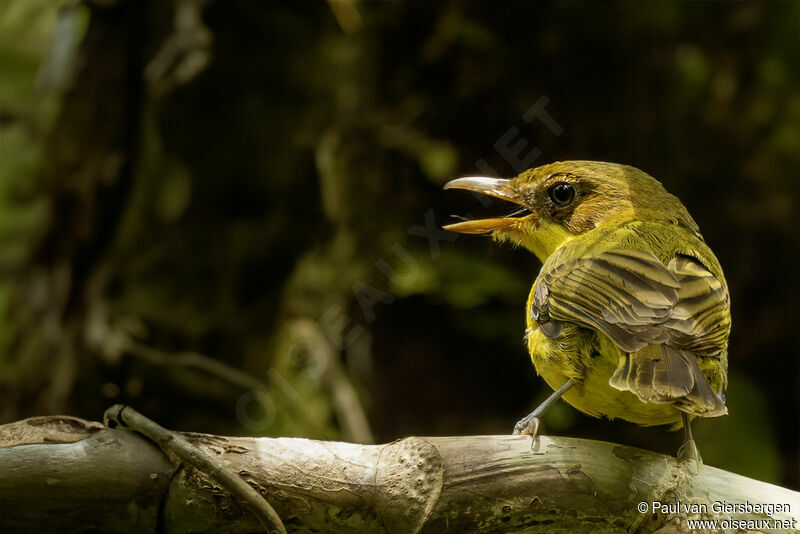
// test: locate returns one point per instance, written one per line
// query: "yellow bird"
(630, 315)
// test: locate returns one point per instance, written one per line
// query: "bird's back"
(638, 313)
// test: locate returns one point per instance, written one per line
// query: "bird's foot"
(690, 452)
(527, 426)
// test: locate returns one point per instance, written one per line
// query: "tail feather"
(664, 374)
(673, 377)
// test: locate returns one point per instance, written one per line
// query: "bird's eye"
(561, 193)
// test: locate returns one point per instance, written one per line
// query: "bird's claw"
(691, 453)
(527, 426)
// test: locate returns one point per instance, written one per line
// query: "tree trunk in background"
(87, 174)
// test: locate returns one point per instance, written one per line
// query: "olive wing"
(636, 300)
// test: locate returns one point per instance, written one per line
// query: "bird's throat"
(542, 239)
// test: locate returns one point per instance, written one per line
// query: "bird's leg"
(529, 425)
(688, 450)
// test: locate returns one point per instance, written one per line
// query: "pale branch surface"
(182, 452)
(69, 475)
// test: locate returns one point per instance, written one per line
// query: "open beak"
(493, 187)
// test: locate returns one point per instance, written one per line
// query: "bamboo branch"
(176, 446)
(65, 474)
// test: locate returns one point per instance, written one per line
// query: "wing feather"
(636, 300)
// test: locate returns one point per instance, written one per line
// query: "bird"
(629, 316)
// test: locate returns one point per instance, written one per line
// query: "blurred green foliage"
(240, 182)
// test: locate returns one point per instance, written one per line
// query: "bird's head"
(563, 200)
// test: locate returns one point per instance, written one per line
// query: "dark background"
(223, 213)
